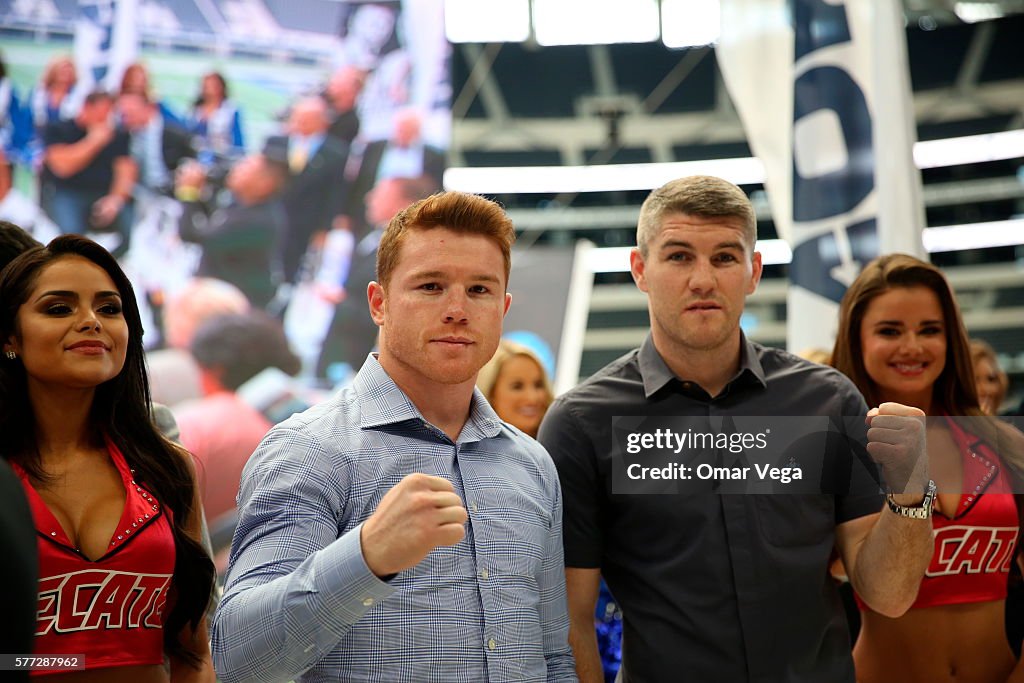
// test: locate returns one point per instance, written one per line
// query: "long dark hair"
(121, 410)
(954, 392)
(217, 76)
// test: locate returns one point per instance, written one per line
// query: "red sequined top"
(111, 610)
(975, 547)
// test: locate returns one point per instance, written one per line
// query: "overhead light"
(607, 178)
(973, 12)
(494, 21)
(690, 23)
(609, 259)
(974, 236)
(594, 22)
(971, 149)
(777, 252)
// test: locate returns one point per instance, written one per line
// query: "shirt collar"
(382, 402)
(965, 439)
(656, 374)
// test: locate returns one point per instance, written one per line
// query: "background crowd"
(176, 192)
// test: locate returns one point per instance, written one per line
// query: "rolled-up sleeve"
(294, 586)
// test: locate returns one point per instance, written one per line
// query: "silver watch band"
(922, 511)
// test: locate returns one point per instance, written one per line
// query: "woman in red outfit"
(901, 338)
(123, 579)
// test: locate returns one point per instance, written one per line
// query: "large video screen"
(344, 105)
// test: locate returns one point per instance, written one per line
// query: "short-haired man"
(352, 334)
(241, 241)
(221, 430)
(315, 195)
(342, 93)
(158, 145)
(725, 588)
(401, 531)
(88, 173)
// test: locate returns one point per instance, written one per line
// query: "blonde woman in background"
(517, 387)
(989, 379)
(51, 100)
(817, 355)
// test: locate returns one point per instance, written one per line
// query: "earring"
(11, 355)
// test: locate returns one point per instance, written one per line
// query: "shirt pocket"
(513, 533)
(791, 520)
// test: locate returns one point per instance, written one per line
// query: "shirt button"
(472, 506)
(491, 644)
(367, 602)
(483, 574)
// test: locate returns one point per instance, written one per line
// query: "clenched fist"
(419, 514)
(896, 441)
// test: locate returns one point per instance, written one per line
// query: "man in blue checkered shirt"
(401, 531)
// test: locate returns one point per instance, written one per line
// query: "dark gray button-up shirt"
(714, 587)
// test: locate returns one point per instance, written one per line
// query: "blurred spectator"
(215, 120)
(89, 175)
(18, 138)
(241, 242)
(989, 379)
(135, 81)
(17, 532)
(219, 429)
(404, 155)
(352, 333)
(368, 32)
(51, 99)
(342, 94)
(19, 209)
(516, 386)
(315, 195)
(13, 242)
(157, 144)
(173, 373)
(9, 115)
(817, 355)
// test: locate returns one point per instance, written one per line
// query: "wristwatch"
(922, 511)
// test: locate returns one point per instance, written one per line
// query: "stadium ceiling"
(678, 23)
(525, 104)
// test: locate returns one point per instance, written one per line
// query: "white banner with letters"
(823, 90)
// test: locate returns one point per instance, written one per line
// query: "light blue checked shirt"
(300, 601)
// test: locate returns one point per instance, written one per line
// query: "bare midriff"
(944, 644)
